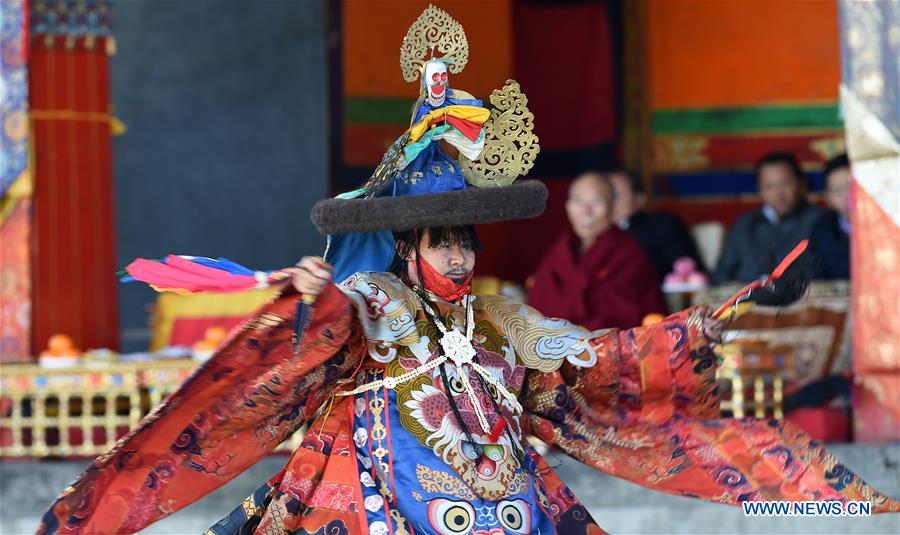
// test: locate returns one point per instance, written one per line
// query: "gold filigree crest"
(435, 30)
(510, 144)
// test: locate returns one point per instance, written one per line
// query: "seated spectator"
(663, 236)
(760, 238)
(596, 274)
(830, 237)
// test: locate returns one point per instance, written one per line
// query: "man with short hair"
(596, 274)
(663, 236)
(830, 236)
(762, 236)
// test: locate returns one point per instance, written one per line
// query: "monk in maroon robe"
(596, 274)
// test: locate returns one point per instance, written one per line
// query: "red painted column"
(73, 236)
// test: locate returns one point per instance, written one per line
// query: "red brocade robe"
(639, 404)
(612, 284)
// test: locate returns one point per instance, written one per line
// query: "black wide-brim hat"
(523, 199)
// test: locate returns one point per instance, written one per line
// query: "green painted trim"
(366, 110)
(748, 119)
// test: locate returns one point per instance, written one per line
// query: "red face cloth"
(440, 285)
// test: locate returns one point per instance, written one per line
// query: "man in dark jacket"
(830, 238)
(663, 236)
(761, 237)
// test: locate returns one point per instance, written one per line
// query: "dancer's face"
(451, 261)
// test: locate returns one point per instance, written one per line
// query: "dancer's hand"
(312, 275)
(713, 328)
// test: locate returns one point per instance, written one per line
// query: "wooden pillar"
(73, 254)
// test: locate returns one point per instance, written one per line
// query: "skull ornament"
(435, 80)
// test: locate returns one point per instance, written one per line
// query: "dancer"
(418, 395)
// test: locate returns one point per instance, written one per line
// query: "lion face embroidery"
(427, 414)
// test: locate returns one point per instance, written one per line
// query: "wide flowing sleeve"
(647, 411)
(238, 406)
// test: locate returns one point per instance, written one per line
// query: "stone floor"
(26, 489)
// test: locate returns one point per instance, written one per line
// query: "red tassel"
(776, 273)
(497, 430)
(788, 260)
